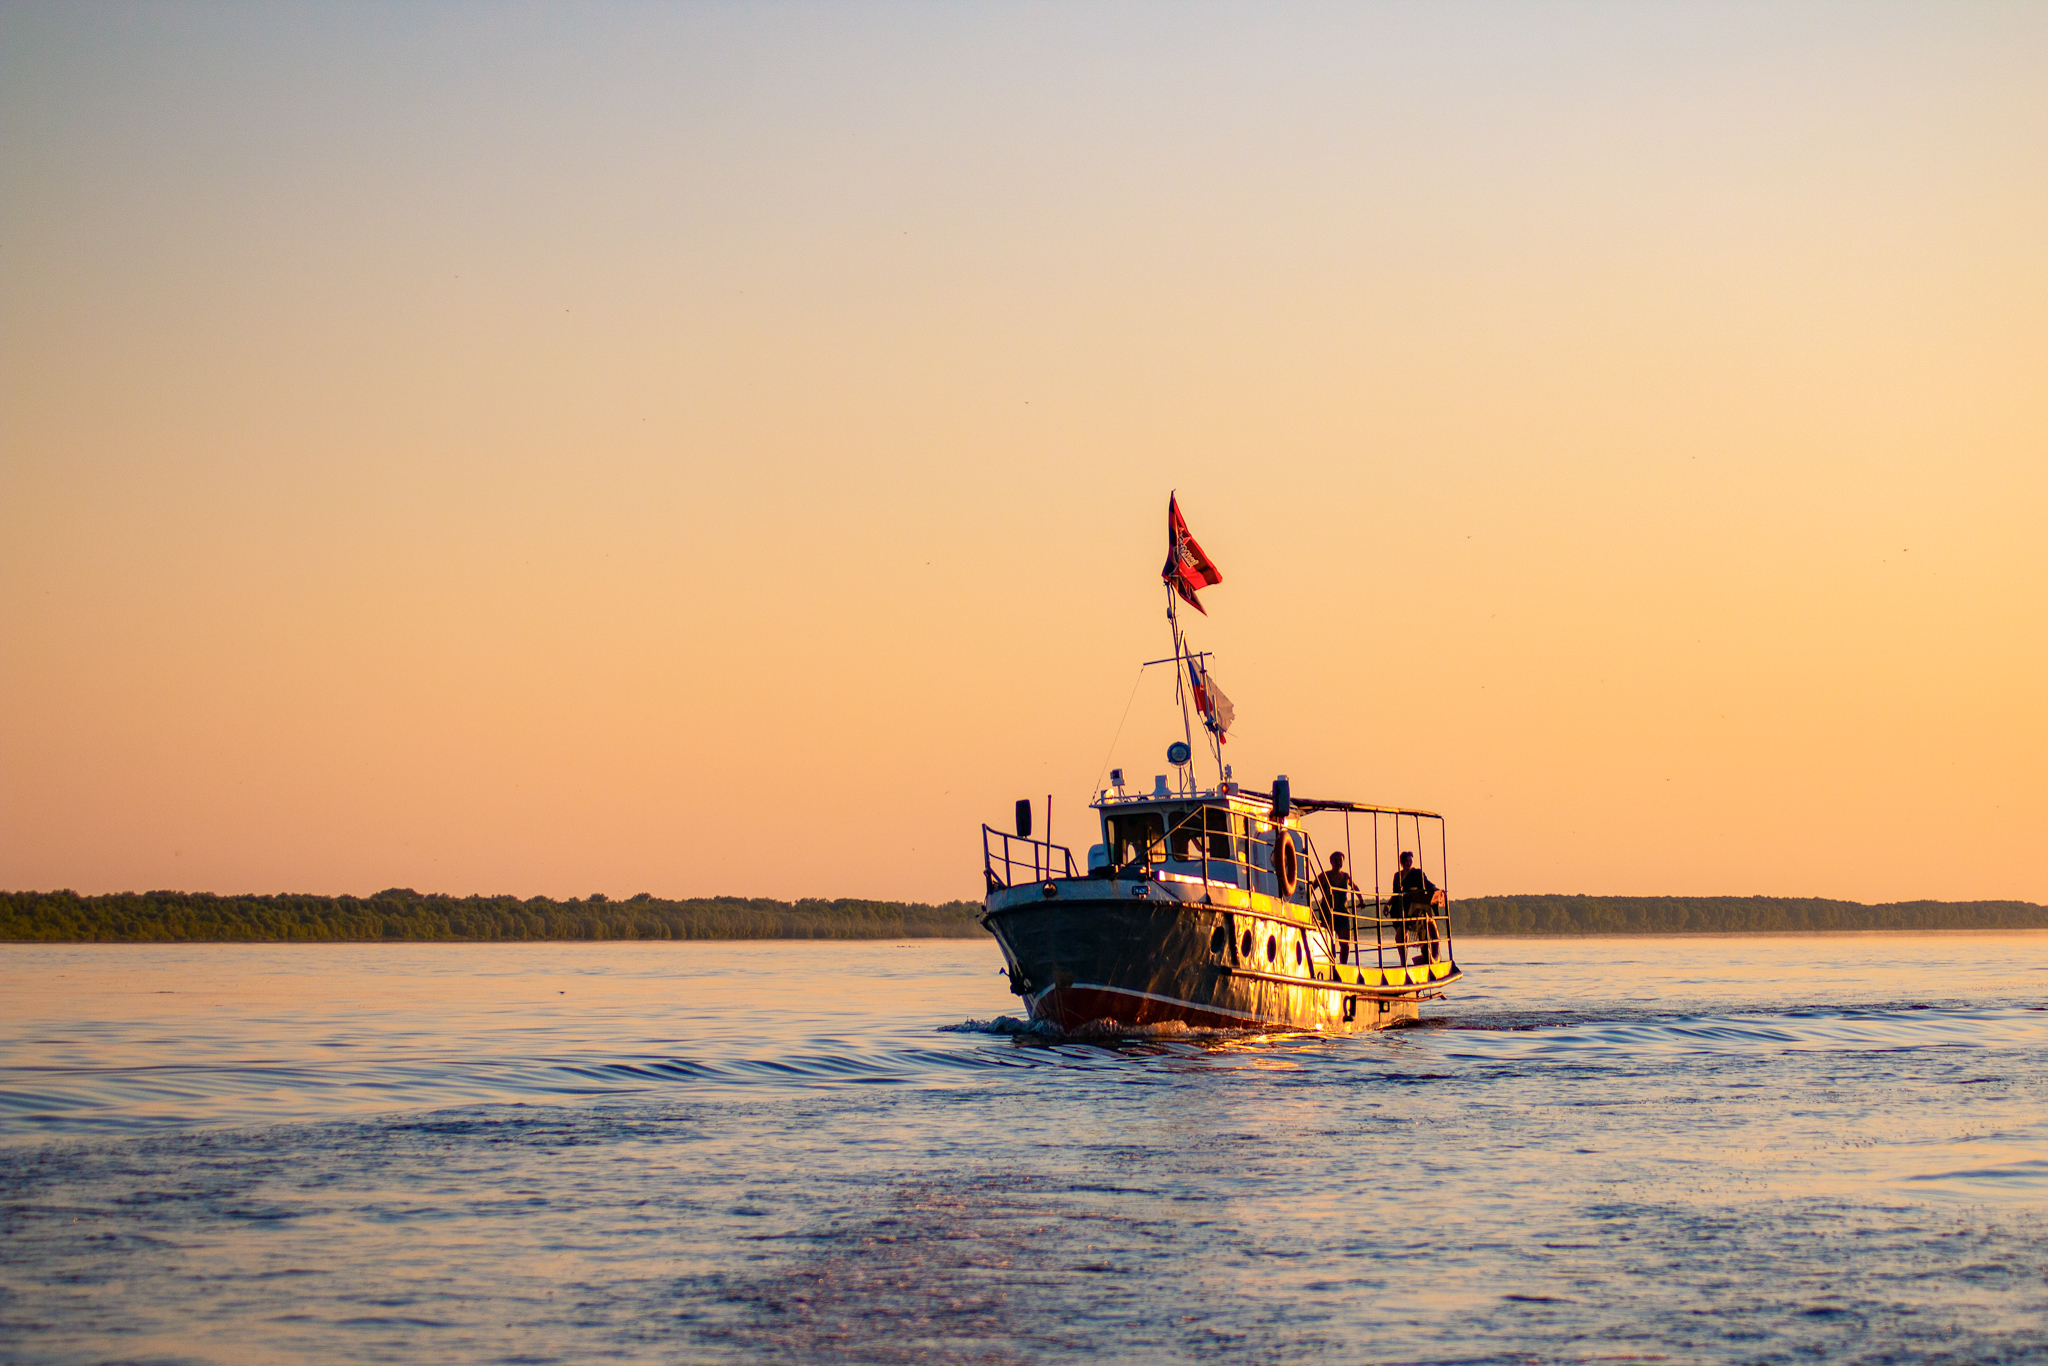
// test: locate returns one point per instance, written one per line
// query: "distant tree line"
(403, 914)
(1484, 915)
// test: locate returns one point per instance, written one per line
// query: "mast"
(1215, 736)
(1180, 682)
(1183, 558)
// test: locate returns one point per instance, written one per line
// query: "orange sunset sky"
(716, 449)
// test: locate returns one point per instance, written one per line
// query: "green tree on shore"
(401, 914)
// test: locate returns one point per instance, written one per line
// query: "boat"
(1211, 906)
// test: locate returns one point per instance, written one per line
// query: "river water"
(1711, 1149)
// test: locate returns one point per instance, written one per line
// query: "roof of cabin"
(1255, 801)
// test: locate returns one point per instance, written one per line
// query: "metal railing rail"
(1412, 934)
(1015, 853)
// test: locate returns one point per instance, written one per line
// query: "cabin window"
(1194, 832)
(1218, 829)
(1136, 837)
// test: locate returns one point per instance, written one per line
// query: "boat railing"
(1015, 856)
(1389, 927)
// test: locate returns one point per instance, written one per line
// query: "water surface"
(1726, 1149)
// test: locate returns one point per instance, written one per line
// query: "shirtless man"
(1414, 894)
(1336, 887)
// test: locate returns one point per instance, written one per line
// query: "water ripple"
(1721, 1151)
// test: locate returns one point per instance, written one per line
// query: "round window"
(1218, 939)
(1297, 953)
(1272, 948)
(1247, 943)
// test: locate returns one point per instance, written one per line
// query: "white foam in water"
(1004, 1024)
(1093, 1031)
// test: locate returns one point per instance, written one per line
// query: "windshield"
(1179, 834)
(1136, 837)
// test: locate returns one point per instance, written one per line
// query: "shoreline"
(914, 941)
(401, 915)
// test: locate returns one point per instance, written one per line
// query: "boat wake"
(116, 1079)
(1099, 1031)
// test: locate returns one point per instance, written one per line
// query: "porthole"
(1218, 940)
(1297, 953)
(1247, 943)
(1272, 949)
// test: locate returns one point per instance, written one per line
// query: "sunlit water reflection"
(1689, 1149)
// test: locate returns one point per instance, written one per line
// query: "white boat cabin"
(1219, 838)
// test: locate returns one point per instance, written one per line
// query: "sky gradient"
(717, 449)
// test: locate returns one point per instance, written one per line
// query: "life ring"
(1283, 860)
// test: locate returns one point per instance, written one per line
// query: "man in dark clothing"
(1414, 894)
(1336, 886)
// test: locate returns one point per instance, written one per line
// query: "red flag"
(1187, 568)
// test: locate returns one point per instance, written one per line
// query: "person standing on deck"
(1336, 887)
(1414, 894)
